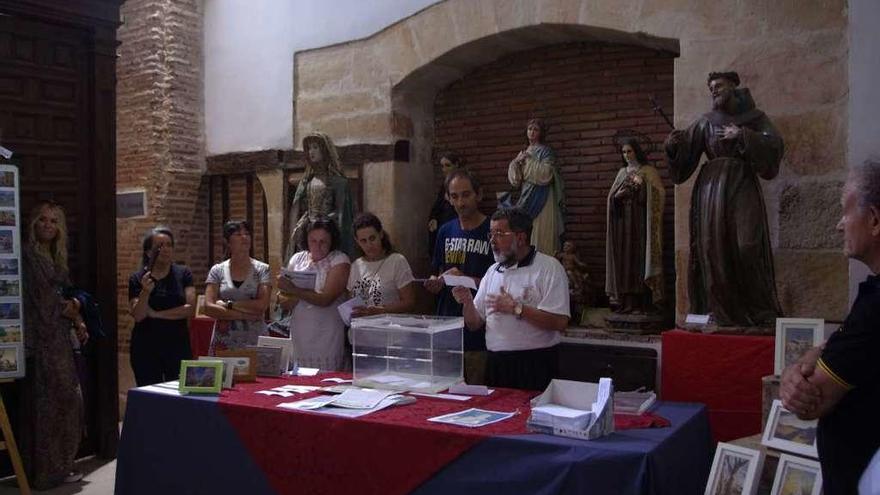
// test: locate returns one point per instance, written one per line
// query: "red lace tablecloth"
(390, 451)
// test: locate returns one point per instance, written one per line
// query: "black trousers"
(156, 354)
(529, 370)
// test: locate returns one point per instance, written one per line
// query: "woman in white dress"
(237, 292)
(381, 277)
(315, 325)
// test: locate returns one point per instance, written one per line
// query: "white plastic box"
(407, 352)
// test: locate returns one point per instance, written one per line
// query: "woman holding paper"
(237, 292)
(381, 277)
(316, 327)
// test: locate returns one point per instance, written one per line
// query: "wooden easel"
(9, 444)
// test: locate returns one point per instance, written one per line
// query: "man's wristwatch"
(517, 310)
(228, 304)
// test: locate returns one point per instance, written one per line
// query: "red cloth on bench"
(722, 371)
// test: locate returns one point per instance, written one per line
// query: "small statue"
(535, 174)
(442, 211)
(731, 263)
(323, 191)
(578, 278)
(634, 244)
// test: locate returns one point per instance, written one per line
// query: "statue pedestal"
(640, 324)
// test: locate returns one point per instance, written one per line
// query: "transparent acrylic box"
(414, 353)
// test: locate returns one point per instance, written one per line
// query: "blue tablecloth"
(174, 445)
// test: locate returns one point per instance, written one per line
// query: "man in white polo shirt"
(523, 300)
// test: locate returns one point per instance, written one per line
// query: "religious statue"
(442, 211)
(731, 263)
(578, 278)
(634, 244)
(535, 174)
(323, 191)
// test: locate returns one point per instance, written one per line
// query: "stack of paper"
(574, 409)
(303, 280)
(633, 402)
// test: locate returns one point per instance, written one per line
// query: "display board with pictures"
(11, 320)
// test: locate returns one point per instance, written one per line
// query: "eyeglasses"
(498, 233)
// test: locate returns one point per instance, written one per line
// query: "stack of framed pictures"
(11, 320)
(737, 470)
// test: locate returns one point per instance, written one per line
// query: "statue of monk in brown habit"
(731, 263)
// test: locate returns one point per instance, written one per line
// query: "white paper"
(7, 153)
(322, 405)
(346, 308)
(308, 404)
(693, 319)
(168, 388)
(559, 411)
(361, 398)
(280, 393)
(298, 389)
(443, 396)
(307, 371)
(465, 389)
(459, 281)
(472, 418)
(336, 380)
(303, 280)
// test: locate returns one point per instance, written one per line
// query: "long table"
(240, 442)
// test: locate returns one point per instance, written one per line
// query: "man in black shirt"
(839, 383)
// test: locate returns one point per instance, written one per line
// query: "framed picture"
(797, 476)
(10, 333)
(9, 288)
(735, 470)
(10, 311)
(286, 346)
(228, 368)
(200, 307)
(268, 360)
(11, 361)
(794, 337)
(8, 266)
(785, 431)
(245, 364)
(200, 377)
(7, 241)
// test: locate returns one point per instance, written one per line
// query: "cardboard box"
(576, 409)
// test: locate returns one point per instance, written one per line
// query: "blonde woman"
(52, 403)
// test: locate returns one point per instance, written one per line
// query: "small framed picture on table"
(200, 377)
(785, 431)
(794, 337)
(244, 363)
(735, 470)
(797, 475)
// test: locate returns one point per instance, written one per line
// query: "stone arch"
(377, 91)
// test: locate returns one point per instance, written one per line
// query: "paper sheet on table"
(458, 280)
(465, 389)
(303, 280)
(361, 398)
(169, 388)
(473, 418)
(321, 405)
(306, 371)
(281, 393)
(336, 380)
(443, 396)
(346, 308)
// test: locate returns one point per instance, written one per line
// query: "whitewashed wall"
(249, 47)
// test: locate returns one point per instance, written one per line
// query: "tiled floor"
(100, 476)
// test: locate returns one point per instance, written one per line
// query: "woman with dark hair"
(52, 415)
(237, 292)
(381, 277)
(161, 298)
(315, 325)
(442, 211)
(634, 247)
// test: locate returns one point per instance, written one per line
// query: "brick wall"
(160, 144)
(585, 92)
